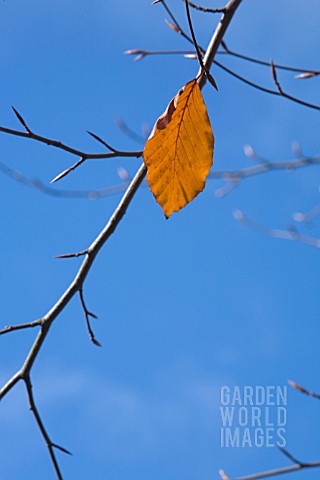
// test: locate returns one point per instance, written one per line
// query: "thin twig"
(277, 471)
(100, 140)
(258, 61)
(291, 233)
(21, 120)
(87, 315)
(304, 72)
(304, 390)
(40, 186)
(68, 170)
(36, 414)
(234, 177)
(62, 146)
(178, 29)
(290, 456)
(309, 216)
(205, 9)
(21, 326)
(266, 90)
(193, 36)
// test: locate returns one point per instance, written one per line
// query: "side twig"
(277, 471)
(291, 233)
(62, 146)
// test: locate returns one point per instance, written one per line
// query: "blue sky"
(185, 306)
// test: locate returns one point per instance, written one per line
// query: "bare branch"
(93, 250)
(234, 177)
(43, 188)
(309, 216)
(193, 36)
(140, 53)
(266, 90)
(21, 326)
(291, 233)
(62, 146)
(205, 9)
(258, 61)
(87, 315)
(305, 73)
(275, 77)
(243, 79)
(277, 471)
(36, 414)
(72, 255)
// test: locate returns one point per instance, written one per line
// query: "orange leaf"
(179, 151)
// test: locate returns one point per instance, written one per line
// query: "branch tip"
(87, 315)
(173, 26)
(68, 170)
(223, 475)
(99, 139)
(62, 449)
(21, 119)
(72, 255)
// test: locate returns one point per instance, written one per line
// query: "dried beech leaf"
(179, 151)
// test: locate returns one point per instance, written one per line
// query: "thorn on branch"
(87, 315)
(21, 120)
(68, 170)
(211, 80)
(72, 255)
(100, 140)
(62, 449)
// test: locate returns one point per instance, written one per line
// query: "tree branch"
(291, 233)
(113, 153)
(93, 250)
(277, 471)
